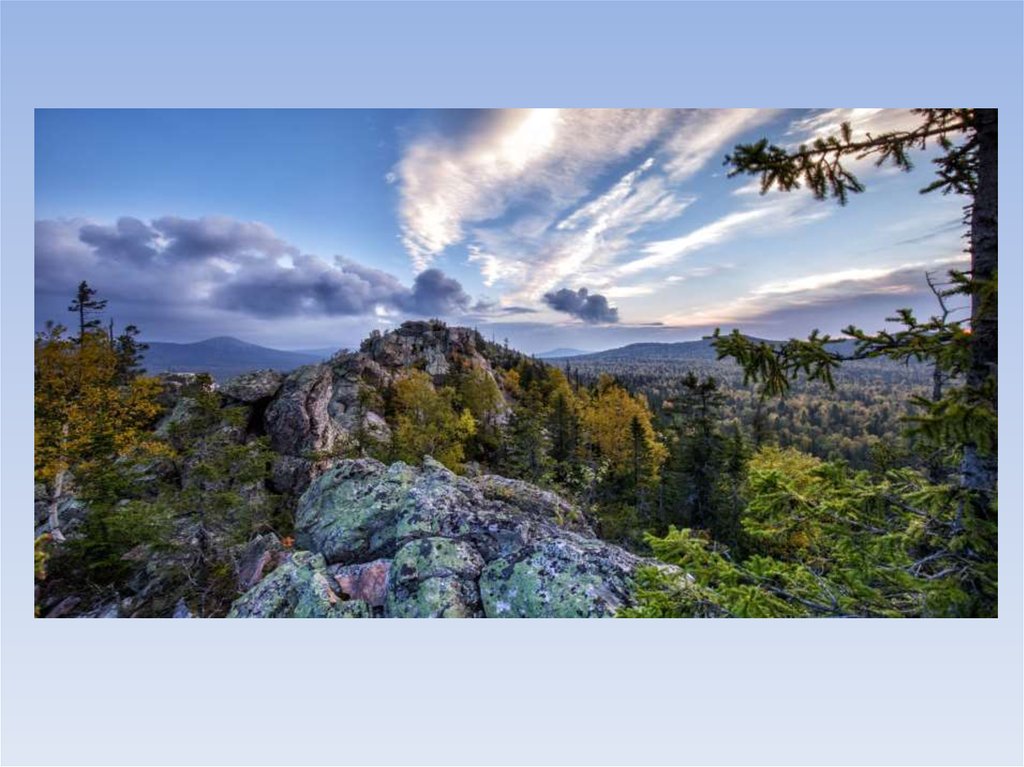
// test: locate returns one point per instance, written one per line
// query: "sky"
(587, 229)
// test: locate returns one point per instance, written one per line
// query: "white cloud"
(813, 290)
(449, 184)
(818, 281)
(705, 134)
(631, 291)
(766, 218)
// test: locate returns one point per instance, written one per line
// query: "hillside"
(222, 357)
(702, 349)
(275, 505)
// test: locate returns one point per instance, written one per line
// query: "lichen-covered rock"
(350, 513)
(559, 578)
(174, 385)
(298, 588)
(257, 557)
(318, 414)
(253, 387)
(434, 578)
(533, 501)
(367, 582)
(360, 510)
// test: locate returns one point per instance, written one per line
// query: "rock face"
(434, 544)
(298, 588)
(322, 411)
(253, 387)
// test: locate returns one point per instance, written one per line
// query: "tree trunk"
(979, 469)
(54, 517)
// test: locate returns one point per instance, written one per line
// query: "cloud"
(763, 218)
(592, 308)
(128, 240)
(219, 236)
(503, 159)
(221, 264)
(818, 292)
(435, 294)
(706, 133)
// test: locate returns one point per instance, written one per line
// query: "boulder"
(424, 542)
(298, 588)
(559, 578)
(367, 582)
(174, 386)
(318, 415)
(258, 557)
(434, 578)
(360, 510)
(253, 387)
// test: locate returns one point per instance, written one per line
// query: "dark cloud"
(588, 307)
(434, 294)
(129, 240)
(189, 266)
(219, 236)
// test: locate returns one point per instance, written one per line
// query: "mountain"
(560, 354)
(681, 350)
(222, 357)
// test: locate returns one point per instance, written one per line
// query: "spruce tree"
(86, 306)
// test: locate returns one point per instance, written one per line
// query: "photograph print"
(516, 363)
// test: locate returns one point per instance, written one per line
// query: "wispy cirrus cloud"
(541, 173)
(814, 291)
(763, 219)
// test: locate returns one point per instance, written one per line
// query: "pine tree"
(965, 418)
(969, 168)
(129, 352)
(85, 305)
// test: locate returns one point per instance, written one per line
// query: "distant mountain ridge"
(702, 349)
(561, 353)
(222, 357)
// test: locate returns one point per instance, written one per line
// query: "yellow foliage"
(83, 415)
(608, 422)
(426, 423)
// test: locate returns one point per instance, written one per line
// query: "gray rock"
(253, 387)
(360, 510)
(298, 588)
(367, 582)
(487, 546)
(181, 610)
(174, 385)
(258, 557)
(559, 578)
(434, 578)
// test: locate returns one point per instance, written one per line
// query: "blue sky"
(582, 228)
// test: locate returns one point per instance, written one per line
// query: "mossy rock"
(559, 578)
(298, 588)
(434, 578)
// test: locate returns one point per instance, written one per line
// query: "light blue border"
(631, 692)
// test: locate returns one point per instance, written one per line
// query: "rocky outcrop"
(435, 578)
(253, 387)
(175, 385)
(325, 411)
(319, 413)
(298, 588)
(441, 545)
